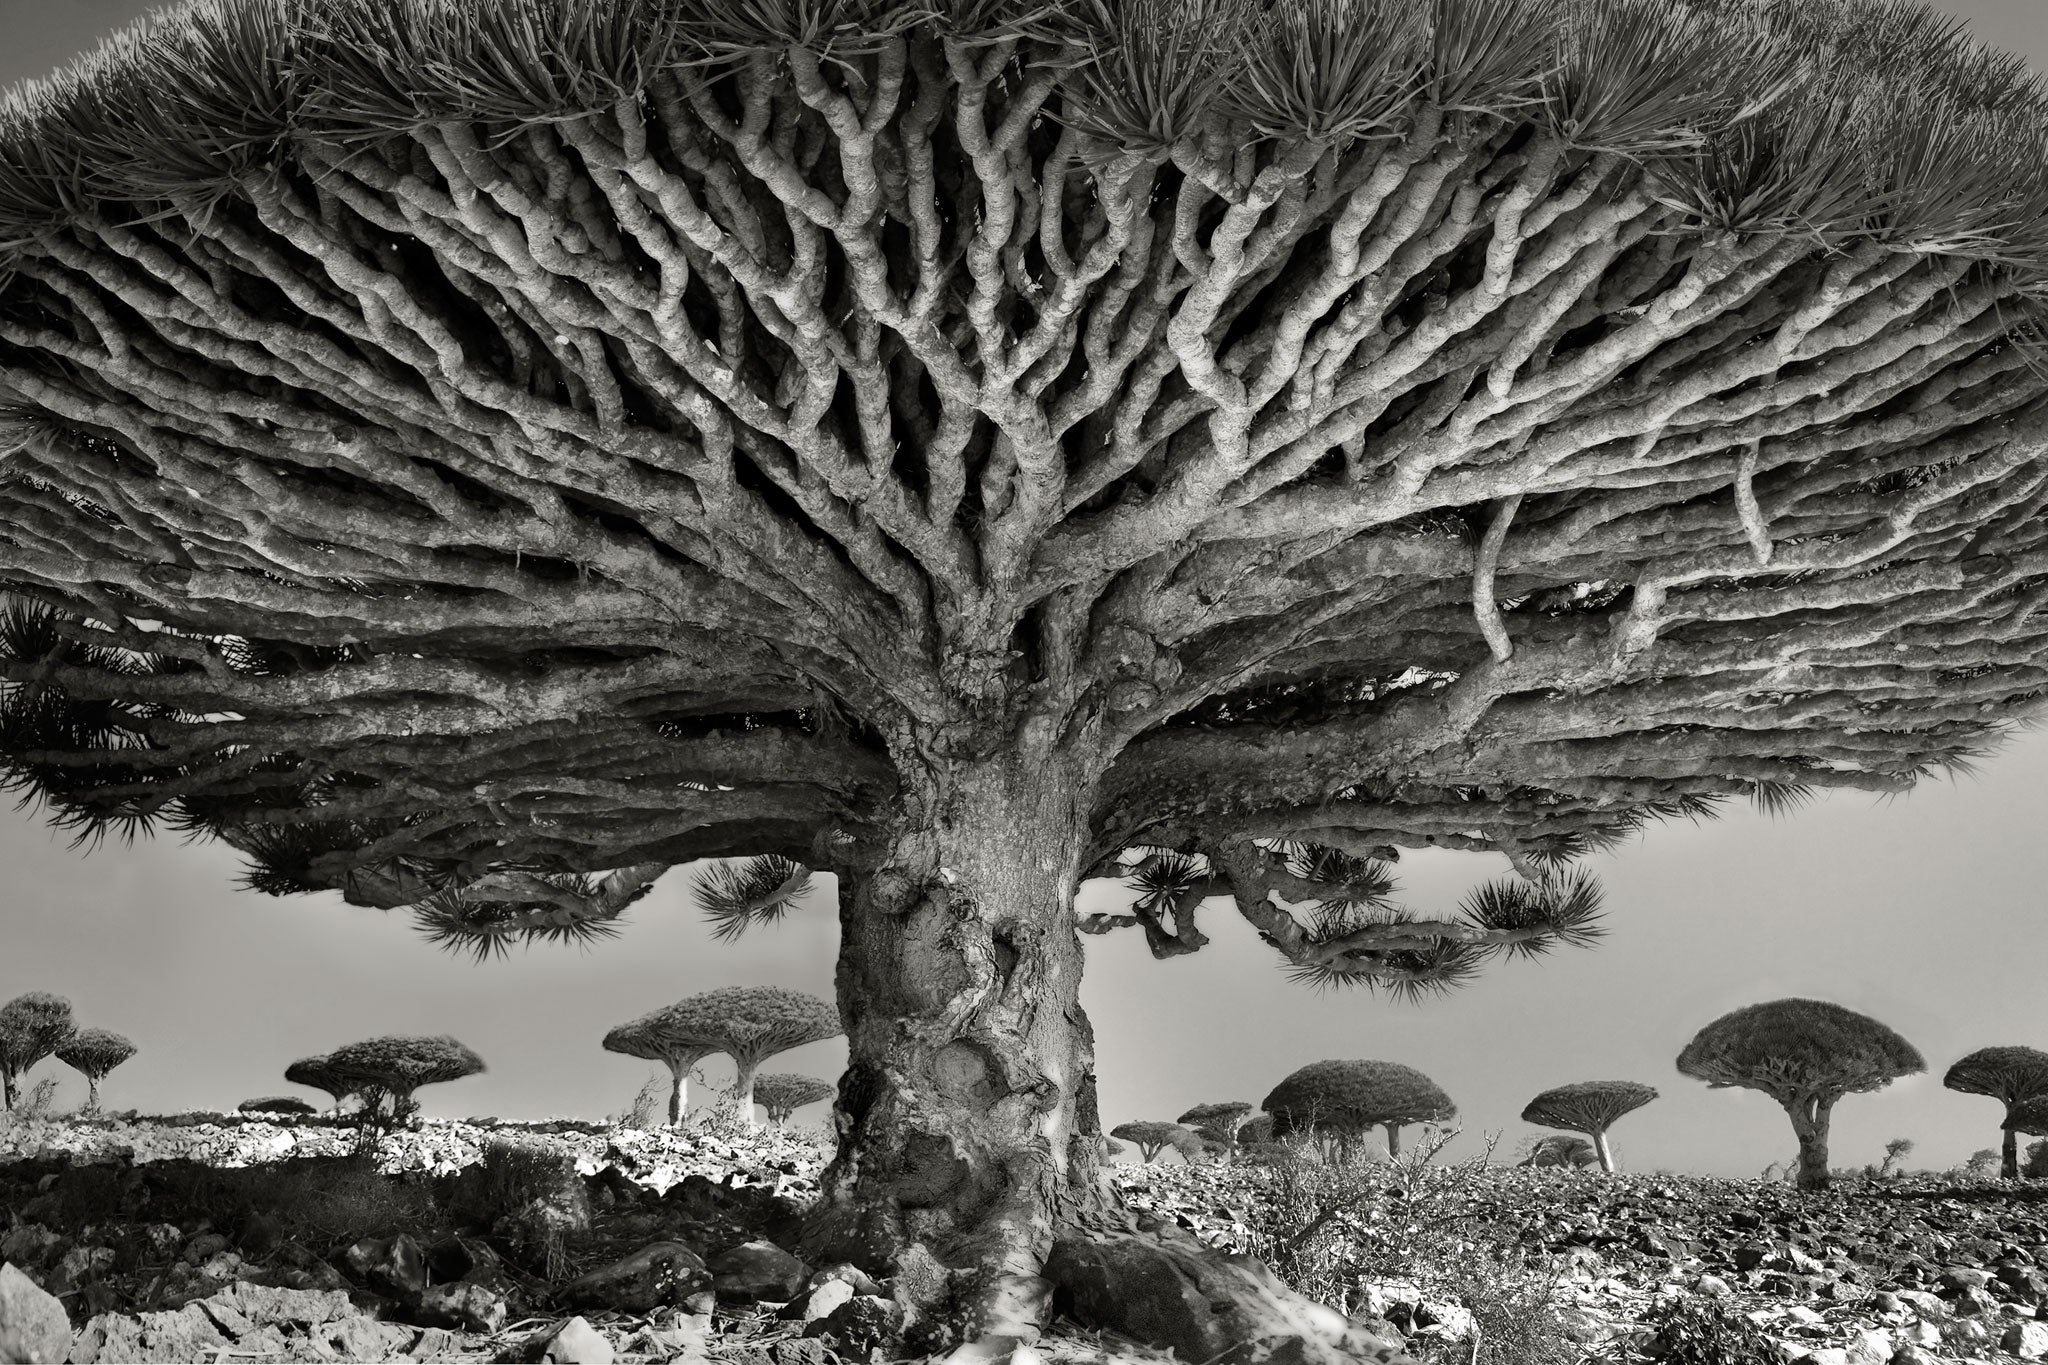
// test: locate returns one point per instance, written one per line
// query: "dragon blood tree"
(2031, 1117)
(1153, 1137)
(653, 1037)
(476, 456)
(750, 1024)
(93, 1052)
(1219, 1121)
(782, 1093)
(1343, 1100)
(397, 1066)
(32, 1027)
(1806, 1055)
(316, 1074)
(1589, 1107)
(2010, 1075)
(1561, 1149)
(274, 1104)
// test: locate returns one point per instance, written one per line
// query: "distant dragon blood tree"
(1806, 1055)
(1343, 1100)
(782, 1093)
(2010, 1075)
(93, 1052)
(475, 457)
(1589, 1107)
(653, 1037)
(32, 1027)
(397, 1066)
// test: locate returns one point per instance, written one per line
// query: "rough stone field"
(207, 1238)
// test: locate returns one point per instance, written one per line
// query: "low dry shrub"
(526, 1191)
(1331, 1228)
(1708, 1332)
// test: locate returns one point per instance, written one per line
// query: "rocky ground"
(212, 1238)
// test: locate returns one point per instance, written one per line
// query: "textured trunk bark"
(1393, 1139)
(678, 1093)
(1606, 1155)
(2009, 1155)
(1810, 1125)
(968, 1130)
(743, 1089)
(7, 1089)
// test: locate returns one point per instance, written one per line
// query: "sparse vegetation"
(1806, 1055)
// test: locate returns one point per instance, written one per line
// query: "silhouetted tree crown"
(1799, 1049)
(275, 1104)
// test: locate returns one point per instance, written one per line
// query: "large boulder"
(575, 1342)
(660, 1275)
(33, 1327)
(1161, 1284)
(390, 1265)
(758, 1271)
(462, 1305)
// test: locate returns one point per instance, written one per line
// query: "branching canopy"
(752, 1023)
(656, 1038)
(2010, 1075)
(1587, 1106)
(1153, 1137)
(94, 1052)
(475, 457)
(317, 1073)
(1798, 1052)
(275, 1104)
(2029, 1117)
(1561, 1149)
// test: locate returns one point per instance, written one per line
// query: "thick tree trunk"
(2009, 1155)
(968, 1132)
(1810, 1125)
(1393, 1139)
(969, 1142)
(743, 1089)
(1606, 1155)
(7, 1089)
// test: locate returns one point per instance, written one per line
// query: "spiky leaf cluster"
(1587, 1106)
(1350, 1097)
(93, 1052)
(1798, 1051)
(782, 1093)
(738, 895)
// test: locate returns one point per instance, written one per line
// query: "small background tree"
(316, 1074)
(750, 1024)
(1561, 1149)
(1153, 1137)
(94, 1052)
(32, 1026)
(782, 1093)
(1219, 1122)
(1589, 1107)
(400, 1065)
(1344, 1099)
(1806, 1055)
(2010, 1075)
(275, 1104)
(654, 1037)
(2031, 1117)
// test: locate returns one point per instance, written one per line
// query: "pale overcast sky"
(1924, 911)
